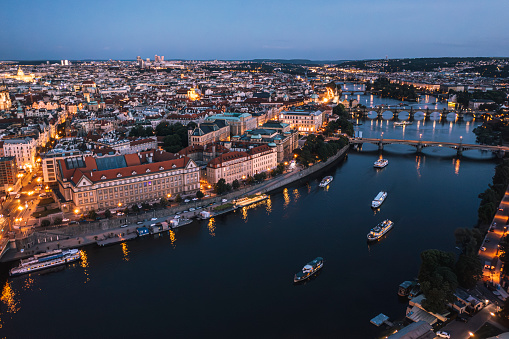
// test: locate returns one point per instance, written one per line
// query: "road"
(460, 330)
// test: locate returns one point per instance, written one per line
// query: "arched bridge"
(420, 144)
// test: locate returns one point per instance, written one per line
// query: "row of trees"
(441, 272)
(175, 135)
(464, 97)
(221, 187)
(342, 123)
(490, 199)
(315, 148)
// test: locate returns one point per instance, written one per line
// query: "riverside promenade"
(74, 236)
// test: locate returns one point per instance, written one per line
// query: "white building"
(303, 120)
(23, 150)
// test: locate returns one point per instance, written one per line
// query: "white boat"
(379, 199)
(325, 181)
(381, 163)
(402, 123)
(46, 260)
(379, 230)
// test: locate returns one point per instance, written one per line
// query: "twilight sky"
(239, 29)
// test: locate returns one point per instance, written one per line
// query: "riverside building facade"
(125, 180)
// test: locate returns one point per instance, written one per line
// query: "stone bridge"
(499, 151)
(405, 113)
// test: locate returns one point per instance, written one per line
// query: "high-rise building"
(8, 172)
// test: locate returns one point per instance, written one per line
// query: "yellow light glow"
(20, 208)
(76, 211)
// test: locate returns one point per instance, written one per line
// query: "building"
(237, 165)
(209, 132)
(239, 122)
(49, 163)
(5, 99)
(23, 149)
(121, 181)
(8, 173)
(302, 120)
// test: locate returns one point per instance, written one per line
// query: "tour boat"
(325, 181)
(309, 269)
(402, 123)
(381, 163)
(379, 199)
(379, 230)
(46, 260)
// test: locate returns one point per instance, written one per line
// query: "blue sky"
(318, 30)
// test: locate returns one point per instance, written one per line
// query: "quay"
(116, 239)
(80, 235)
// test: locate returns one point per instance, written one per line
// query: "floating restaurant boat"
(325, 181)
(309, 269)
(250, 200)
(402, 123)
(379, 199)
(379, 230)
(381, 163)
(45, 260)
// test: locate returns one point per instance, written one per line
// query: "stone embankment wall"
(54, 233)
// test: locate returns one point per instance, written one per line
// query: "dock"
(116, 240)
(381, 319)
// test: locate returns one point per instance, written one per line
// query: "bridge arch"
(387, 115)
(419, 115)
(372, 114)
(403, 115)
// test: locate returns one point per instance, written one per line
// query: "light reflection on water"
(173, 238)
(456, 163)
(211, 225)
(296, 195)
(268, 208)
(286, 197)
(125, 251)
(84, 264)
(8, 298)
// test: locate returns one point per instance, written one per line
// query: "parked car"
(120, 213)
(483, 248)
(178, 213)
(187, 200)
(65, 220)
(194, 199)
(224, 200)
(139, 222)
(192, 209)
(124, 225)
(17, 196)
(443, 334)
(152, 219)
(500, 209)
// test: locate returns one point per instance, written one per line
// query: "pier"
(460, 147)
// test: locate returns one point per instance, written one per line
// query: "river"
(232, 276)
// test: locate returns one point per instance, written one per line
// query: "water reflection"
(286, 197)
(456, 163)
(418, 166)
(212, 226)
(268, 207)
(243, 210)
(173, 238)
(296, 195)
(84, 264)
(9, 298)
(29, 282)
(125, 251)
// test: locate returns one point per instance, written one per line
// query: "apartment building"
(23, 149)
(304, 121)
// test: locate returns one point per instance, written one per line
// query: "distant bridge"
(405, 113)
(420, 144)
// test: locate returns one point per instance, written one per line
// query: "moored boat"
(379, 199)
(381, 163)
(402, 123)
(325, 181)
(309, 269)
(379, 230)
(46, 260)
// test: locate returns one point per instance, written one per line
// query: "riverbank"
(83, 234)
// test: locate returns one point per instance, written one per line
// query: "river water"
(231, 276)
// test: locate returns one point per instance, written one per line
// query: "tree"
(45, 223)
(199, 194)
(220, 187)
(107, 214)
(135, 208)
(468, 270)
(163, 202)
(57, 221)
(178, 199)
(92, 214)
(437, 278)
(126, 210)
(235, 184)
(145, 206)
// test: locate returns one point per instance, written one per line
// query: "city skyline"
(227, 30)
